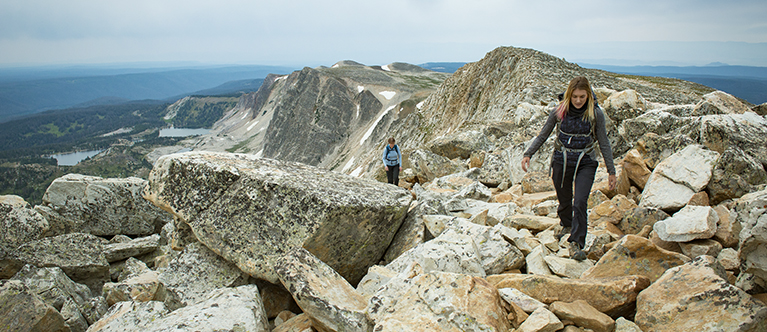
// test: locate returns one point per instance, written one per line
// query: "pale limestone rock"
(412, 232)
(625, 325)
(525, 302)
(541, 320)
(583, 315)
(437, 301)
(546, 208)
(728, 258)
(140, 288)
(59, 291)
(692, 166)
(225, 309)
(530, 200)
(131, 268)
(323, 294)
(429, 166)
(196, 271)
(662, 193)
(536, 182)
(517, 238)
(634, 255)
(533, 223)
(497, 254)
(136, 247)
(697, 248)
(494, 169)
(79, 255)
(460, 145)
(449, 252)
(299, 323)
(655, 147)
(547, 239)
(690, 223)
(627, 104)
(568, 268)
(376, 277)
(436, 224)
(697, 297)
(130, 316)
(719, 102)
(19, 222)
(536, 262)
(271, 207)
(100, 206)
(751, 211)
(596, 197)
(22, 310)
(613, 296)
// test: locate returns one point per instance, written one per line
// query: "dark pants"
(392, 175)
(573, 204)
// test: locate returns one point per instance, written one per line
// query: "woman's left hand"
(612, 181)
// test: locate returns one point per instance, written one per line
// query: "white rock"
(690, 223)
(527, 303)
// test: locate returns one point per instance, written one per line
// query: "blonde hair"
(577, 83)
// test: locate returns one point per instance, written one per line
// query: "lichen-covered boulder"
(136, 247)
(100, 206)
(719, 102)
(79, 255)
(195, 272)
(460, 145)
(634, 255)
(614, 296)
(697, 297)
(429, 166)
(329, 300)
(251, 210)
(19, 223)
(751, 211)
(22, 310)
(59, 291)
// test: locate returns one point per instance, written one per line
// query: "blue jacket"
(392, 156)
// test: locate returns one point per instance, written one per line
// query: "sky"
(372, 32)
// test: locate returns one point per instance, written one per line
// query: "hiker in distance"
(580, 127)
(392, 159)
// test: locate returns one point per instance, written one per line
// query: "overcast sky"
(311, 33)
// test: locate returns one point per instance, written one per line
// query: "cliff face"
(323, 116)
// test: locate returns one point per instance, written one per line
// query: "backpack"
(575, 143)
(388, 148)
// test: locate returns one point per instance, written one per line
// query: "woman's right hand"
(525, 163)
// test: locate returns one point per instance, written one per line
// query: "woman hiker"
(392, 159)
(580, 126)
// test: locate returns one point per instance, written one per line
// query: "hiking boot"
(562, 232)
(576, 253)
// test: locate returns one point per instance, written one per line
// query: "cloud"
(372, 32)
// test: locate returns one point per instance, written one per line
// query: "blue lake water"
(71, 159)
(183, 132)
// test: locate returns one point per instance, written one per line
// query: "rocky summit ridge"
(276, 222)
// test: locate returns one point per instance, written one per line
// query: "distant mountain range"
(746, 82)
(33, 90)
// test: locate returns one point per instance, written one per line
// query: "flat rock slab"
(251, 210)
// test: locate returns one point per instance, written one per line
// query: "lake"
(71, 159)
(183, 132)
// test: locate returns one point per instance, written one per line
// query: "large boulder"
(326, 297)
(141, 288)
(79, 255)
(450, 252)
(735, 175)
(654, 148)
(678, 177)
(251, 210)
(495, 252)
(429, 165)
(623, 105)
(60, 292)
(747, 131)
(460, 145)
(413, 232)
(122, 250)
(99, 206)
(494, 169)
(22, 310)
(613, 296)
(437, 301)
(690, 223)
(751, 211)
(224, 309)
(697, 297)
(196, 272)
(634, 255)
(19, 223)
(719, 102)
